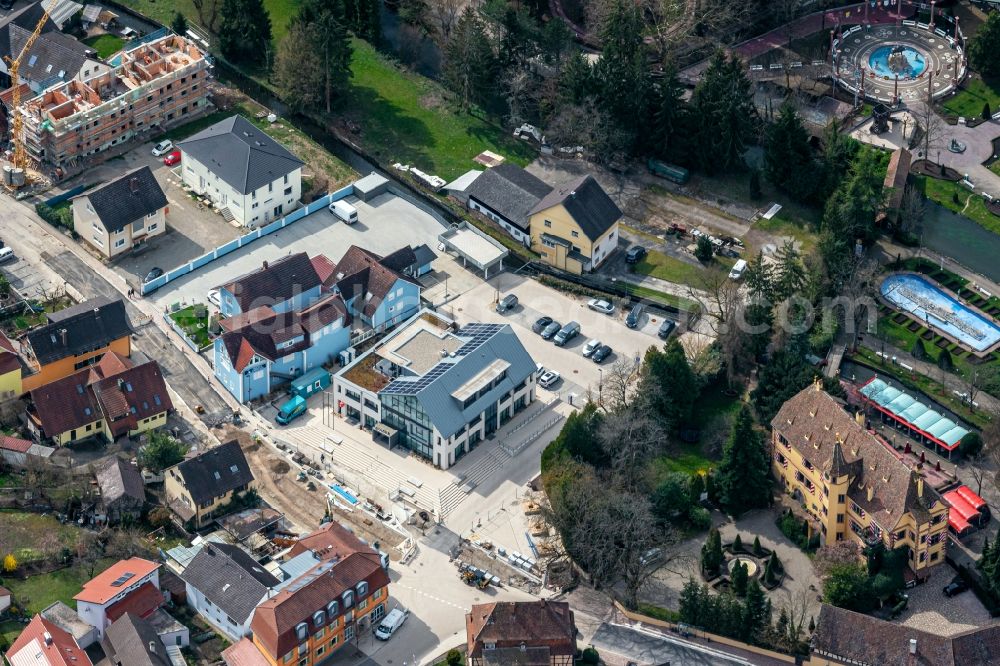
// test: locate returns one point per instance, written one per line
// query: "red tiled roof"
(142, 602)
(324, 267)
(244, 653)
(6, 344)
(253, 316)
(361, 272)
(512, 623)
(99, 589)
(275, 619)
(4, 592)
(62, 651)
(332, 541)
(14, 444)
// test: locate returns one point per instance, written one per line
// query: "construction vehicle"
(20, 160)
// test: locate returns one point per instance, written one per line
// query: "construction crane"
(13, 67)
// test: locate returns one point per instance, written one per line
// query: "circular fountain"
(751, 564)
(890, 61)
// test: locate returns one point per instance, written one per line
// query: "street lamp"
(600, 386)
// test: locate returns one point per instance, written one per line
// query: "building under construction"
(151, 86)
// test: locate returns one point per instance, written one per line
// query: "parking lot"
(385, 224)
(579, 374)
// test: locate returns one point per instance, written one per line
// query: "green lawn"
(969, 101)
(995, 167)
(688, 462)
(969, 204)
(663, 266)
(281, 12)
(783, 226)
(193, 320)
(105, 45)
(408, 118)
(678, 302)
(21, 532)
(37, 592)
(9, 630)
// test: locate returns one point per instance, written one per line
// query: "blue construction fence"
(68, 194)
(246, 239)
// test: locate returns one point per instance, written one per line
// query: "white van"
(6, 254)
(737, 272)
(344, 211)
(390, 623)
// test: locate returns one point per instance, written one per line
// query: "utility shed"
(371, 186)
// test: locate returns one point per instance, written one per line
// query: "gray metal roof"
(229, 578)
(485, 343)
(241, 154)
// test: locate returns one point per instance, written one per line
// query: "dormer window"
(348, 598)
(362, 589)
(332, 609)
(301, 631)
(319, 618)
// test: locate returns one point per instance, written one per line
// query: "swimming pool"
(936, 309)
(344, 494)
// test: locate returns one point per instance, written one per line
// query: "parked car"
(635, 254)
(738, 269)
(602, 353)
(591, 346)
(507, 303)
(566, 333)
(6, 254)
(213, 298)
(666, 328)
(634, 316)
(956, 586)
(344, 211)
(550, 331)
(173, 158)
(599, 305)
(540, 324)
(163, 147)
(153, 273)
(549, 379)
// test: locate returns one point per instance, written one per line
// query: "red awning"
(972, 498)
(960, 506)
(957, 523)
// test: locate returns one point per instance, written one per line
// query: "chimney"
(63, 336)
(920, 486)
(121, 384)
(913, 646)
(265, 264)
(133, 184)
(860, 418)
(48, 638)
(152, 647)
(871, 491)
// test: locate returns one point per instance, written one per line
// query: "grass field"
(193, 320)
(968, 204)
(663, 266)
(21, 533)
(37, 592)
(105, 45)
(969, 101)
(280, 11)
(407, 118)
(782, 226)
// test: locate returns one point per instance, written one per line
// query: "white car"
(591, 346)
(163, 147)
(602, 306)
(213, 297)
(549, 379)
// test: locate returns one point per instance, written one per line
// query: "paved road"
(647, 647)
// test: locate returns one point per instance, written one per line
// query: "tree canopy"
(245, 32)
(744, 473)
(984, 47)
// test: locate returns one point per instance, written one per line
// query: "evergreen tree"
(755, 192)
(757, 613)
(756, 550)
(363, 18)
(944, 361)
(622, 73)
(704, 251)
(298, 71)
(838, 153)
(245, 32)
(667, 116)
(711, 553)
(770, 574)
(179, 25)
(576, 79)
(696, 486)
(668, 385)
(724, 112)
(691, 604)
(987, 113)
(671, 498)
(712, 487)
(738, 544)
(744, 473)
(790, 275)
(738, 579)
(850, 212)
(317, 53)
(812, 624)
(788, 159)
(984, 47)
(469, 63)
(785, 374)
(919, 351)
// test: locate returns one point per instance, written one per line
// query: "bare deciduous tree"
(442, 16)
(630, 439)
(933, 129)
(619, 381)
(208, 13)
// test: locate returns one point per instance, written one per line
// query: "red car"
(172, 158)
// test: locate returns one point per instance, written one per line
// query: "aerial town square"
(499, 333)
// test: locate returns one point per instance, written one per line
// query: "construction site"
(152, 84)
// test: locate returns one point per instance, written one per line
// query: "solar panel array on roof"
(121, 580)
(910, 410)
(475, 336)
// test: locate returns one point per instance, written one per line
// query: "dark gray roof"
(131, 641)
(274, 282)
(52, 56)
(229, 578)
(509, 190)
(215, 472)
(587, 202)
(132, 197)
(26, 18)
(483, 344)
(424, 255)
(241, 154)
(89, 325)
(118, 478)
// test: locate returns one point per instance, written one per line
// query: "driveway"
(385, 224)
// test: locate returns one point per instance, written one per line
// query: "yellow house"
(73, 339)
(114, 398)
(852, 485)
(198, 487)
(10, 370)
(575, 226)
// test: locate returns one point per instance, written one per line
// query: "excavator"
(20, 160)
